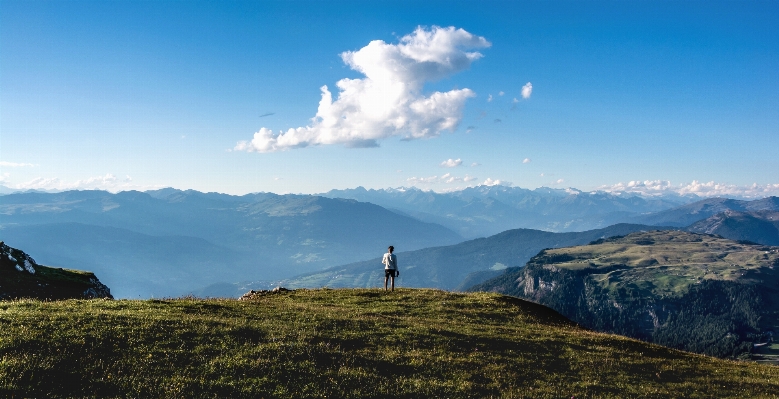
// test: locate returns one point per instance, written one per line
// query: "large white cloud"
(389, 100)
(701, 189)
(445, 179)
(451, 163)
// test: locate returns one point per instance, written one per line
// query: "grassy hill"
(692, 291)
(345, 344)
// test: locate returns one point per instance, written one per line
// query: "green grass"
(343, 344)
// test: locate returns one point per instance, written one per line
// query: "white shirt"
(390, 261)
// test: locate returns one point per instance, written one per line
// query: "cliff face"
(22, 277)
(689, 291)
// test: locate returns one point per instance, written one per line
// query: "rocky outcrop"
(22, 277)
(259, 294)
(97, 290)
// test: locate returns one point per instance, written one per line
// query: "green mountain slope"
(22, 277)
(696, 292)
(452, 267)
(344, 344)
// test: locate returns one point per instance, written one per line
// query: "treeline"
(716, 318)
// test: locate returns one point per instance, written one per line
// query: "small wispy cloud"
(527, 160)
(470, 129)
(108, 182)
(451, 163)
(447, 178)
(489, 98)
(559, 181)
(16, 165)
(701, 189)
(475, 164)
(501, 93)
(527, 90)
(422, 180)
(515, 100)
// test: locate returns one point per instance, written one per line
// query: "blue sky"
(138, 95)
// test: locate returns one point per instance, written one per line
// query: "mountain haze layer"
(168, 242)
(486, 210)
(172, 242)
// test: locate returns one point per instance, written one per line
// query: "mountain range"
(486, 210)
(168, 242)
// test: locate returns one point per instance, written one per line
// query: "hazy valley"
(170, 242)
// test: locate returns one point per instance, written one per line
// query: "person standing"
(391, 271)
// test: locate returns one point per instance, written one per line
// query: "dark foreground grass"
(343, 344)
